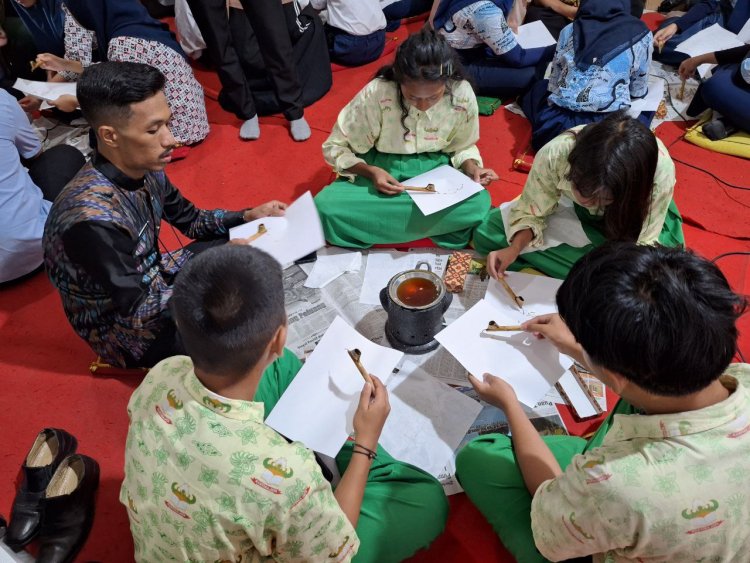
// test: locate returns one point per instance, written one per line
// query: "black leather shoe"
(68, 509)
(50, 448)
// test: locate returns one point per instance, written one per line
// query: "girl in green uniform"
(615, 178)
(415, 115)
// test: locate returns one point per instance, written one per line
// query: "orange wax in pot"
(417, 292)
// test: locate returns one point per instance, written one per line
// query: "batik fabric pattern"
(94, 206)
(207, 480)
(670, 487)
(189, 122)
(605, 88)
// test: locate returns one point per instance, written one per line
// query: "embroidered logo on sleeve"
(277, 471)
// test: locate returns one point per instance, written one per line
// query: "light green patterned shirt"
(207, 480)
(547, 184)
(660, 488)
(373, 119)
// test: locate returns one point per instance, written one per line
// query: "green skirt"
(355, 214)
(558, 260)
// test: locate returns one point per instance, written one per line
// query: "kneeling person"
(101, 241)
(198, 444)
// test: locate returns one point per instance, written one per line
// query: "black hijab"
(602, 30)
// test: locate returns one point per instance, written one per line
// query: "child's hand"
(494, 391)
(480, 175)
(371, 413)
(384, 182)
(665, 34)
(66, 103)
(688, 67)
(271, 208)
(499, 260)
(30, 103)
(554, 329)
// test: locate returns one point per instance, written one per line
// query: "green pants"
(404, 509)
(357, 215)
(489, 473)
(557, 261)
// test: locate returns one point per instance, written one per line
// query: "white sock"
(300, 129)
(250, 130)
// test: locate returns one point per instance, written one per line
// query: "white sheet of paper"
(744, 34)
(563, 226)
(534, 34)
(48, 91)
(531, 366)
(577, 396)
(289, 238)
(538, 293)
(651, 101)
(332, 263)
(428, 419)
(452, 187)
(318, 407)
(714, 38)
(382, 266)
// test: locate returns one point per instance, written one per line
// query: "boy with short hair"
(664, 479)
(207, 480)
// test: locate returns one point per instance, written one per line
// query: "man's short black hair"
(663, 318)
(105, 91)
(228, 302)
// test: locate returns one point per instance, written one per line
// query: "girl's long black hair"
(616, 158)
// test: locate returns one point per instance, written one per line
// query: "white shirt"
(23, 211)
(356, 17)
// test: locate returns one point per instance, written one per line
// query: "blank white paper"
(538, 293)
(452, 187)
(534, 34)
(289, 238)
(428, 420)
(318, 407)
(531, 366)
(48, 91)
(331, 263)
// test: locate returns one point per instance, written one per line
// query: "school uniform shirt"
(668, 487)
(356, 17)
(373, 120)
(24, 209)
(207, 480)
(101, 251)
(605, 88)
(547, 183)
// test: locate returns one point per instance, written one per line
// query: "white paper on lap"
(452, 187)
(318, 407)
(428, 420)
(563, 227)
(531, 366)
(533, 35)
(289, 238)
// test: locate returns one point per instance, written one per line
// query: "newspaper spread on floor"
(311, 311)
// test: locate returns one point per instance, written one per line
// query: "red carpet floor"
(45, 378)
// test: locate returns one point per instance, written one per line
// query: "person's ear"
(276, 346)
(615, 381)
(108, 135)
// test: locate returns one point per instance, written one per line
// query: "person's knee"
(479, 454)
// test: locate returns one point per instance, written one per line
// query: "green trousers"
(558, 260)
(357, 215)
(404, 509)
(489, 473)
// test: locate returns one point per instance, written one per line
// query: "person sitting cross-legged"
(101, 241)
(664, 477)
(199, 447)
